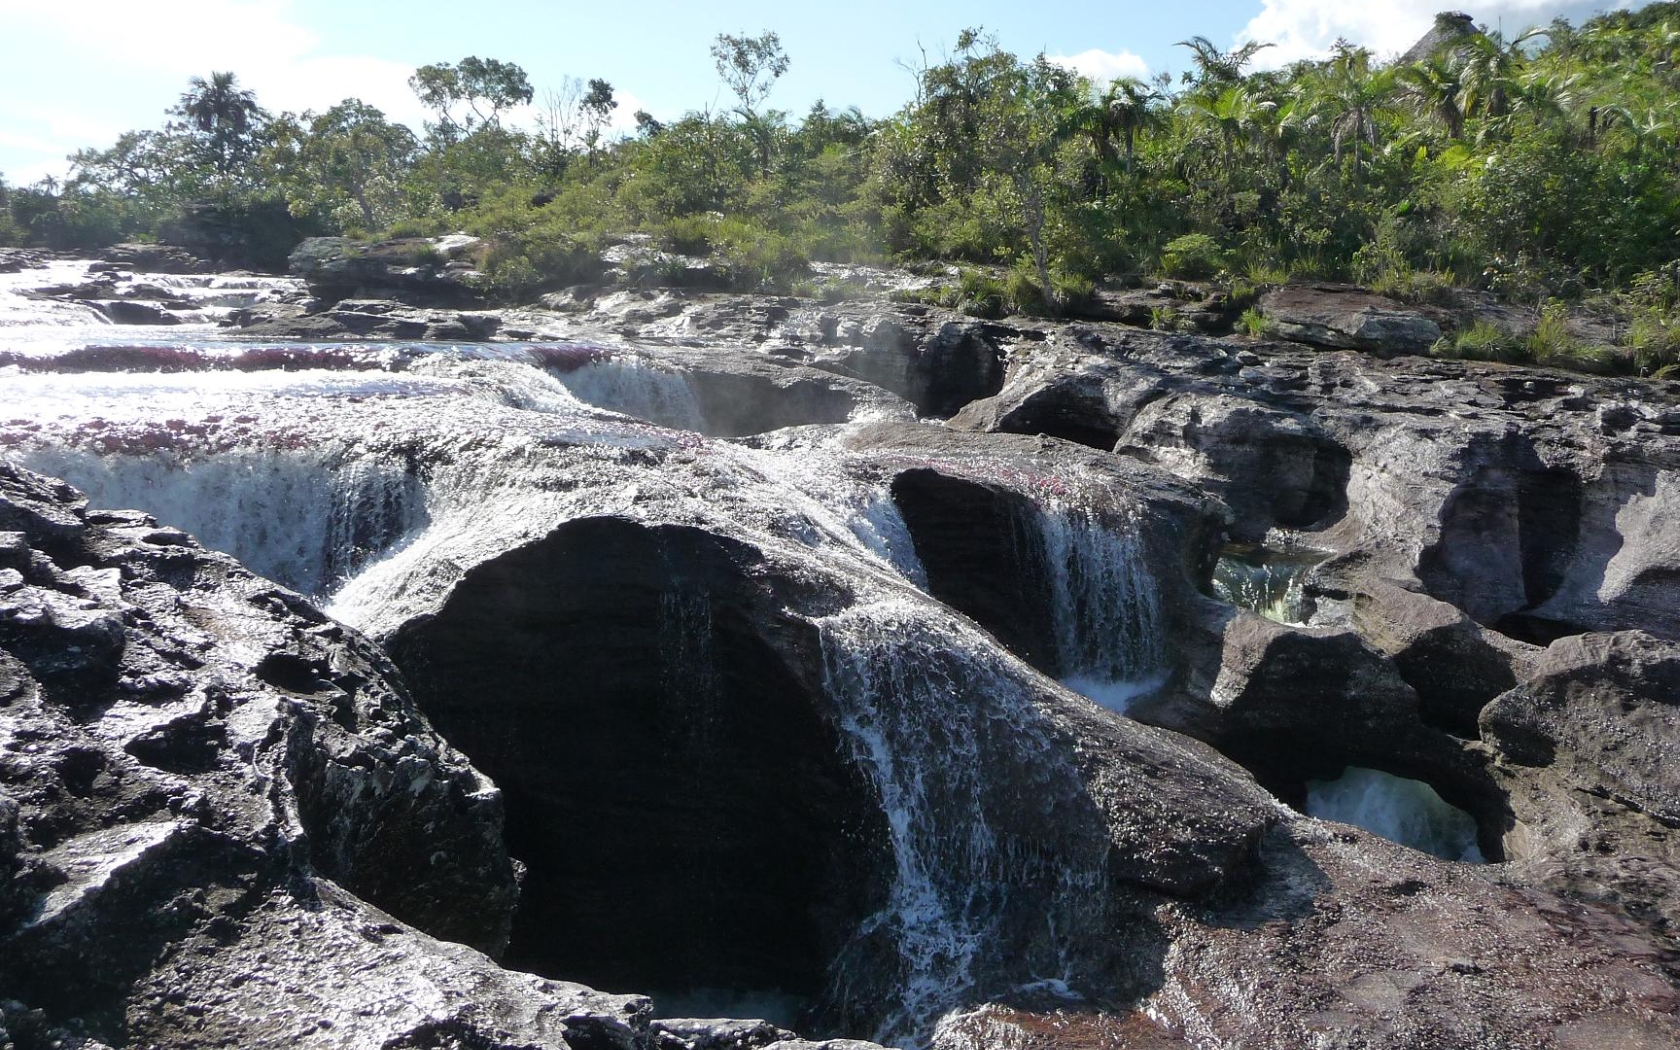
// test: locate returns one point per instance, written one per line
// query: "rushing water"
(1267, 581)
(1110, 638)
(938, 724)
(370, 476)
(1405, 811)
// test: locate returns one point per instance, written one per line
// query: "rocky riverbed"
(419, 674)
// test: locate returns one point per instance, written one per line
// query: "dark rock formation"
(132, 311)
(1588, 748)
(1347, 318)
(380, 319)
(419, 271)
(1527, 498)
(198, 770)
(639, 712)
(749, 706)
(155, 258)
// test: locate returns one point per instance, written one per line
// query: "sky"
(76, 73)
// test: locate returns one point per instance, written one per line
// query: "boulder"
(417, 271)
(1348, 318)
(136, 311)
(155, 258)
(210, 788)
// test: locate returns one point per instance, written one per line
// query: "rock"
(1173, 306)
(171, 822)
(1344, 317)
(131, 311)
(638, 263)
(16, 260)
(1455, 665)
(414, 270)
(155, 258)
(380, 319)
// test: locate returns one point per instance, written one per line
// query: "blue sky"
(76, 73)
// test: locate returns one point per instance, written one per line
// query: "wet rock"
(371, 319)
(1348, 318)
(177, 827)
(419, 271)
(155, 258)
(135, 311)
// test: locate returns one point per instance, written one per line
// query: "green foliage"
(1195, 256)
(1484, 341)
(1534, 167)
(1255, 323)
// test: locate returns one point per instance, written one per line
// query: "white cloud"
(1307, 28)
(1104, 65)
(134, 48)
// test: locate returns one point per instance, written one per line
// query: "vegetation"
(1541, 166)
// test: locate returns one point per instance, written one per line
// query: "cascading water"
(1266, 581)
(308, 519)
(940, 727)
(1108, 624)
(619, 382)
(1405, 811)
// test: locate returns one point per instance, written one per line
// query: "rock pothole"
(681, 805)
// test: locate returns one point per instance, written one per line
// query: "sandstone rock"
(1344, 317)
(131, 311)
(415, 270)
(176, 802)
(155, 258)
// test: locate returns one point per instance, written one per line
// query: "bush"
(1195, 257)
(1256, 323)
(1483, 341)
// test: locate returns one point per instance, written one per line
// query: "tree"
(1217, 69)
(224, 115)
(1435, 87)
(1353, 95)
(597, 106)
(749, 67)
(353, 151)
(485, 86)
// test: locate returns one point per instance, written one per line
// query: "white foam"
(1405, 811)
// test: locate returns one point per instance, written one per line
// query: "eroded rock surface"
(207, 788)
(635, 626)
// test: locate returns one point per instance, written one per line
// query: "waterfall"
(306, 519)
(982, 882)
(1266, 581)
(1405, 811)
(631, 386)
(1110, 643)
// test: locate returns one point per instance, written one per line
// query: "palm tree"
(1234, 113)
(1123, 108)
(222, 111)
(1490, 71)
(1220, 68)
(1353, 97)
(1436, 87)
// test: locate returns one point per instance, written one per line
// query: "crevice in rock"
(674, 787)
(984, 555)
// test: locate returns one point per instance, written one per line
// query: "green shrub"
(1655, 338)
(1195, 256)
(1484, 341)
(1256, 323)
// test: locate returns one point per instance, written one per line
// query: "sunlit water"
(1267, 581)
(1405, 811)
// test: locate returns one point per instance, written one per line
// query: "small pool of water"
(1268, 581)
(1405, 811)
